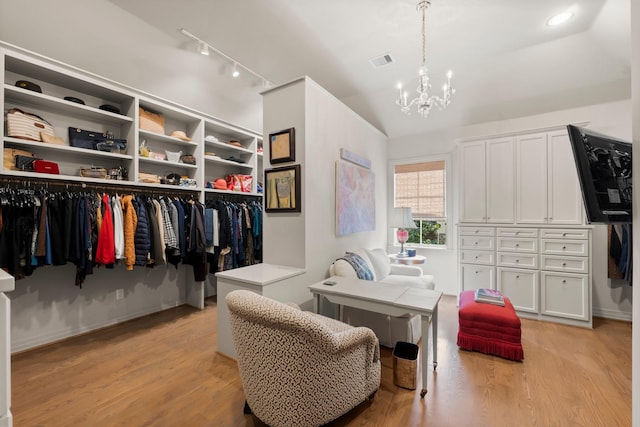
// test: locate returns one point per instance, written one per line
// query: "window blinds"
(421, 186)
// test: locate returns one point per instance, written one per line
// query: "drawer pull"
(517, 260)
(476, 243)
(477, 231)
(564, 247)
(564, 280)
(477, 272)
(564, 234)
(564, 264)
(517, 232)
(476, 256)
(517, 245)
(517, 276)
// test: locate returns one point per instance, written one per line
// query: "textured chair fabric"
(388, 329)
(299, 368)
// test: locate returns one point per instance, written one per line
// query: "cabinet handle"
(564, 234)
(476, 243)
(517, 260)
(476, 256)
(517, 276)
(477, 272)
(517, 232)
(564, 247)
(517, 245)
(477, 231)
(564, 280)
(564, 264)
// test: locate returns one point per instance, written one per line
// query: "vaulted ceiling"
(506, 61)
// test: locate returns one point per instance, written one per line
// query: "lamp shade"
(402, 218)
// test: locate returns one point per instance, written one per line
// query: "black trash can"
(405, 364)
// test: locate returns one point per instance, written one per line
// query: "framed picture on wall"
(282, 146)
(282, 189)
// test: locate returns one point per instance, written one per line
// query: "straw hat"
(180, 135)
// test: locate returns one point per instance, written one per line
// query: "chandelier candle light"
(402, 219)
(424, 101)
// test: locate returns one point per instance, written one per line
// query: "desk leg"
(434, 326)
(316, 303)
(425, 353)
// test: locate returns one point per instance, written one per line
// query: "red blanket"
(489, 328)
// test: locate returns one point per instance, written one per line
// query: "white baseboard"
(6, 420)
(612, 314)
(49, 338)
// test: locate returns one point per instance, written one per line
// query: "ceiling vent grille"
(381, 61)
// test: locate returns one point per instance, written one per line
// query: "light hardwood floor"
(163, 370)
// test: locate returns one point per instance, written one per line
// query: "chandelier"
(424, 101)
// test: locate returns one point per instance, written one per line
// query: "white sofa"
(388, 329)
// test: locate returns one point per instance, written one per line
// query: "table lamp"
(402, 220)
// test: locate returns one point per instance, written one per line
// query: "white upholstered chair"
(299, 368)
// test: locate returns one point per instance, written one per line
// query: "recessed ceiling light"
(560, 18)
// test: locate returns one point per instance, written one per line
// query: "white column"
(6, 285)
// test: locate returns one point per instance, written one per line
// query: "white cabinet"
(547, 186)
(521, 286)
(545, 272)
(525, 179)
(566, 295)
(531, 179)
(487, 172)
(477, 257)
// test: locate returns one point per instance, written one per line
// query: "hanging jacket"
(142, 237)
(130, 224)
(118, 227)
(106, 250)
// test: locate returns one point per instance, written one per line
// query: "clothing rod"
(37, 183)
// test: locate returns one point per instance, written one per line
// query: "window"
(422, 187)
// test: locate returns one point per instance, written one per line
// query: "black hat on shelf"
(25, 84)
(74, 99)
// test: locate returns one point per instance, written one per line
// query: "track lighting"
(205, 48)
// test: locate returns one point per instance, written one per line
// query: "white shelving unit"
(58, 81)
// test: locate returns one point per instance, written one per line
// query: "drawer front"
(477, 257)
(507, 259)
(477, 276)
(512, 244)
(565, 295)
(477, 231)
(517, 232)
(564, 233)
(477, 243)
(521, 286)
(564, 247)
(564, 263)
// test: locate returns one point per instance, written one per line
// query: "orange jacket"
(130, 222)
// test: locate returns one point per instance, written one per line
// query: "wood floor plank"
(162, 370)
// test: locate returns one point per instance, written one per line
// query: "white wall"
(99, 37)
(609, 299)
(323, 126)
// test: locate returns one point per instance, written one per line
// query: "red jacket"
(106, 250)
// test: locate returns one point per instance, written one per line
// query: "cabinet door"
(565, 295)
(476, 276)
(521, 287)
(531, 182)
(500, 181)
(564, 196)
(473, 182)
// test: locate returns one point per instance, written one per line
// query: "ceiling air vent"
(381, 61)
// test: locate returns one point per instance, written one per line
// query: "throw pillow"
(359, 265)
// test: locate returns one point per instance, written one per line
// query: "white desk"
(392, 300)
(277, 282)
